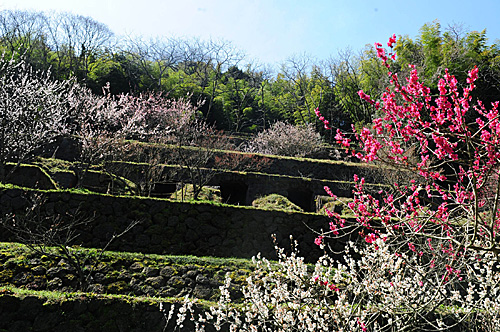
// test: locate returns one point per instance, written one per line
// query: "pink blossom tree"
(444, 223)
(105, 123)
(454, 192)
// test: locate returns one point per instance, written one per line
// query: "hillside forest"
(138, 176)
(238, 95)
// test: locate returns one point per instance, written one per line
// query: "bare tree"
(207, 60)
(155, 56)
(76, 39)
(296, 72)
(56, 235)
(23, 32)
(345, 73)
(194, 149)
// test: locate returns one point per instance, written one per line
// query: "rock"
(177, 282)
(64, 264)
(55, 271)
(70, 280)
(38, 283)
(202, 292)
(35, 261)
(137, 289)
(191, 274)
(39, 270)
(124, 275)
(22, 278)
(192, 223)
(150, 271)
(201, 279)
(96, 288)
(99, 277)
(168, 291)
(148, 290)
(173, 221)
(167, 272)
(136, 267)
(55, 284)
(118, 287)
(156, 282)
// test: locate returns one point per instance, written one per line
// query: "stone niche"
(234, 192)
(164, 190)
(303, 198)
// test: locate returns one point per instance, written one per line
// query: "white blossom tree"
(33, 111)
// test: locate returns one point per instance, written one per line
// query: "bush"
(275, 202)
(374, 290)
(286, 140)
(338, 205)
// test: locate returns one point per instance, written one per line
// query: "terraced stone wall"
(31, 313)
(176, 228)
(65, 148)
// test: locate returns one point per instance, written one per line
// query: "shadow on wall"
(303, 198)
(234, 193)
(164, 190)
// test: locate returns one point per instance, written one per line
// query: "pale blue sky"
(273, 30)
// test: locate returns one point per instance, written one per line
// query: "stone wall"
(64, 148)
(242, 188)
(176, 228)
(82, 313)
(119, 274)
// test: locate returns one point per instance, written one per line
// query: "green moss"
(240, 276)
(338, 205)
(118, 287)
(6, 275)
(53, 165)
(70, 277)
(275, 202)
(177, 282)
(42, 170)
(19, 254)
(118, 262)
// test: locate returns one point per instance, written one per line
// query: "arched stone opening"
(234, 192)
(303, 198)
(164, 190)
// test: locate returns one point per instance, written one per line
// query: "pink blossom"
(392, 41)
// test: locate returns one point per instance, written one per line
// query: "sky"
(271, 31)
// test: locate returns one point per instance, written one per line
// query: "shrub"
(338, 205)
(275, 202)
(374, 290)
(286, 140)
